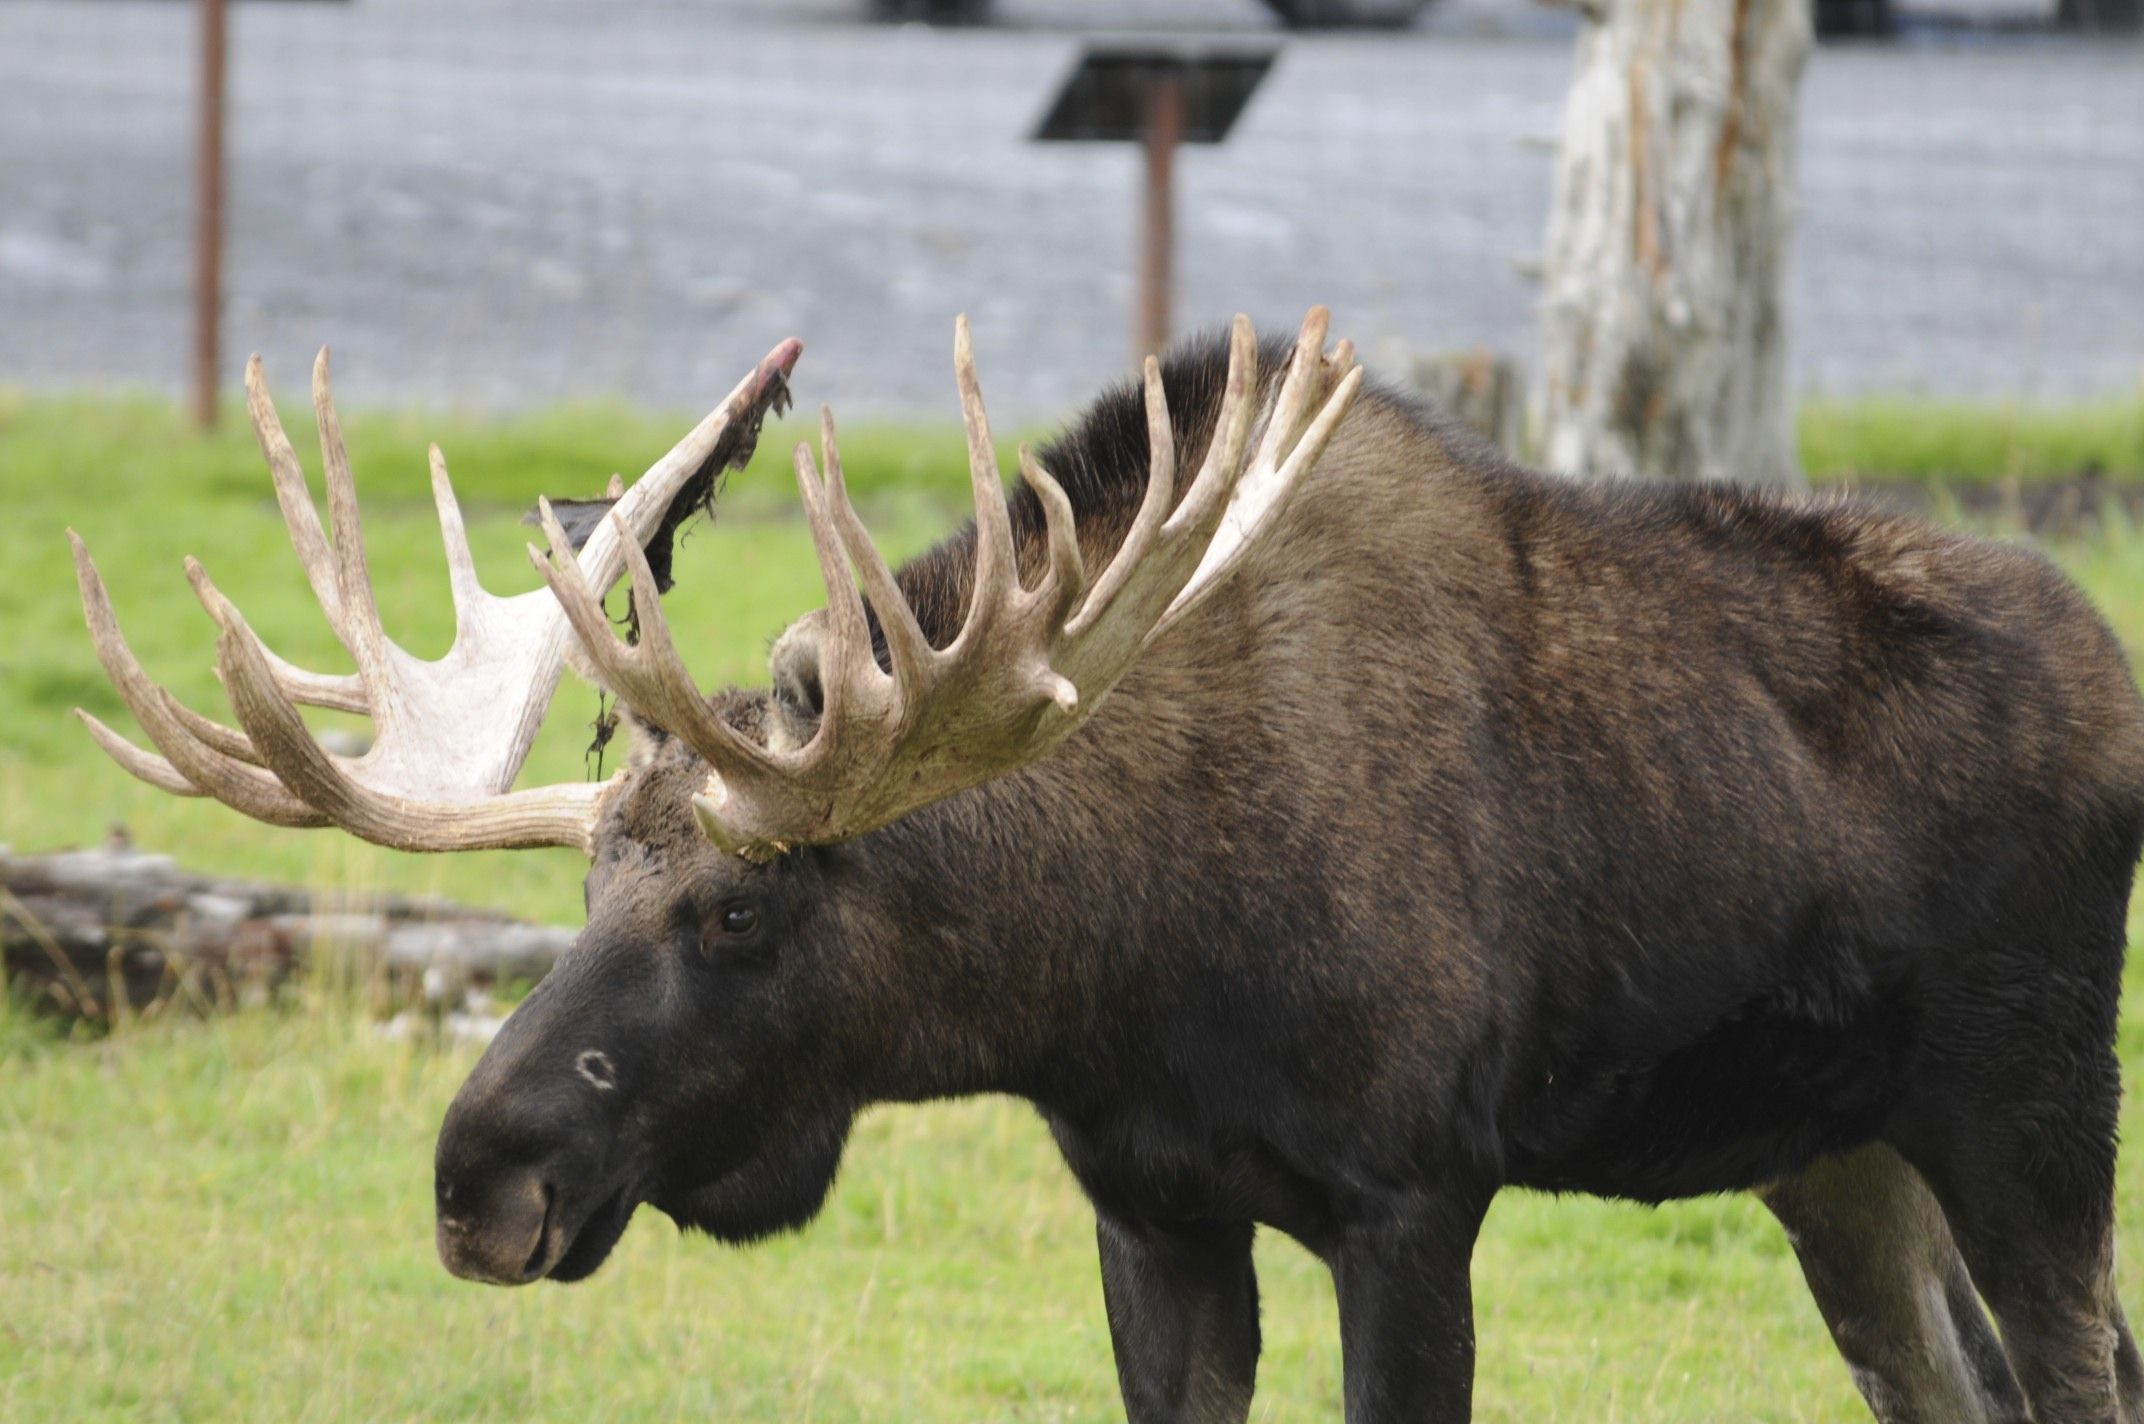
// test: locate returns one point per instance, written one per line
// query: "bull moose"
(1325, 841)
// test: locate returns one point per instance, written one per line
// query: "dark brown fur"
(1493, 830)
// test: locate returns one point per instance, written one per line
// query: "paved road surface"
(503, 204)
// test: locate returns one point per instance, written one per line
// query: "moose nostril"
(595, 1066)
(534, 1265)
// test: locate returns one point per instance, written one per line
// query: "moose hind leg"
(2048, 1277)
(2016, 1137)
(1893, 1290)
(2128, 1370)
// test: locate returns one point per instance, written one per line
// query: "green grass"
(232, 1219)
(1970, 443)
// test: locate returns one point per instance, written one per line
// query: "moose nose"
(503, 1236)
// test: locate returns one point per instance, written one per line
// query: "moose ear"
(644, 741)
(799, 691)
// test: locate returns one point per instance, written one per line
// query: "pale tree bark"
(1669, 224)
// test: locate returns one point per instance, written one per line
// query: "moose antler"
(449, 737)
(1028, 666)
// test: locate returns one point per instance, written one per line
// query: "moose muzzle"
(503, 1236)
(513, 1209)
(531, 1177)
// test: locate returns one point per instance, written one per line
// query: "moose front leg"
(1407, 1312)
(1183, 1316)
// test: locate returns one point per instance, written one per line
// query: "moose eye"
(731, 930)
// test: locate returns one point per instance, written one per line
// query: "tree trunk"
(1669, 223)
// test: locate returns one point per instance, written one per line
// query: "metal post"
(1164, 128)
(1157, 96)
(208, 212)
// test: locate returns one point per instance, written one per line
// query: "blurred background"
(502, 205)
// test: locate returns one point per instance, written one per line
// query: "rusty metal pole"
(208, 212)
(1164, 129)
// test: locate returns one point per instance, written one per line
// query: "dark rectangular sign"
(1105, 99)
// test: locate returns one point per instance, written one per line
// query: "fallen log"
(87, 929)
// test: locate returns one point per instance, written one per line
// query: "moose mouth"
(589, 1244)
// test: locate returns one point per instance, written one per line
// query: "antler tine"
(994, 559)
(1340, 361)
(340, 575)
(658, 652)
(1065, 578)
(152, 706)
(845, 606)
(359, 623)
(1153, 507)
(650, 676)
(569, 585)
(1232, 431)
(292, 494)
(287, 747)
(198, 767)
(1144, 577)
(141, 765)
(1265, 487)
(338, 691)
(908, 651)
(454, 537)
(214, 735)
(141, 696)
(345, 692)
(246, 788)
(1297, 389)
(847, 665)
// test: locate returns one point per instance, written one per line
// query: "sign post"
(1157, 97)
(208, 212)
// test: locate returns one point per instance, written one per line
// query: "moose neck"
(1037, 915)
(1024, 930)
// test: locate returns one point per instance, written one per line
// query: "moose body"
(1488, 829)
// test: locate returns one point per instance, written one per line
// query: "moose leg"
(1183, 1317)
(2050, 1286)
(2019, 1147)
(2128, 1369)
(1407, 1314)
(1879, 1259)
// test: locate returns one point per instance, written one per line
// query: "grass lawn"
(232, 1219)
(1959, 442)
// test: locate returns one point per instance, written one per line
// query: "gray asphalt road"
(501, 204)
